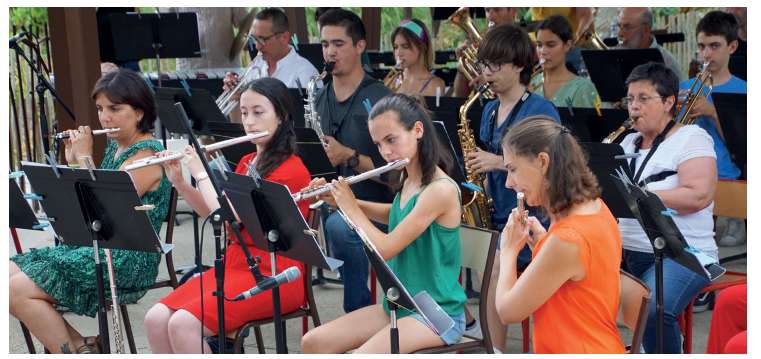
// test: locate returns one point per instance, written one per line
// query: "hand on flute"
(515, 234)
(327, 197)
(79, 144)
(343, 196)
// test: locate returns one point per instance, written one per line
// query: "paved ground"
(329, 299)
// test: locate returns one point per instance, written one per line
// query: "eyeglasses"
(263, 39)
(642, 99)
(482, 65)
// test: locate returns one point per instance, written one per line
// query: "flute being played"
(65, 134)
(521, 207)
(351, 180)
(154, 160)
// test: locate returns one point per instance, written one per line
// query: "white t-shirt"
(289, 69)
(686, 143)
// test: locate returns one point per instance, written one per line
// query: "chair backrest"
(168, 238)
(633, 308)
(731, 199)
(478, 249)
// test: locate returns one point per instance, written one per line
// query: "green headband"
(415, 29)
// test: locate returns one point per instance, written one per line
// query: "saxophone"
(476, 209)
(115, 309)
(311, 117)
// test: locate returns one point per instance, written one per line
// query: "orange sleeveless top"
(580, 317)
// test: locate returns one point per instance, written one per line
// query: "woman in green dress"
(422, 246)
(65, 275)
(555, 82)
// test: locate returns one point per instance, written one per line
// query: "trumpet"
(309, 193)
(65, 134)
(703, 79)
(521, 207)
(624, 126)
(154, 160)
(229, 99)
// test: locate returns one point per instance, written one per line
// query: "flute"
(154, 160)
(521, 207)
(304, 194)
(65, 134)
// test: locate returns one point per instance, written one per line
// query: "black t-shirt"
(347, 122)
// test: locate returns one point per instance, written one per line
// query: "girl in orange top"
(572, 283)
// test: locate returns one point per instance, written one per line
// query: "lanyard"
(638, 145)
(510, 119)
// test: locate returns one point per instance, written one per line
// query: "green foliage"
(28, 17)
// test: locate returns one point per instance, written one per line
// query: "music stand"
(310, 149)
(21, 215)
(732, 109)
(397, 295)
(297, 111)
(588, 126)
(448, 113)
(604, 159)
(275, 224)
(110, 216)
(666, 240)
(199, 104)
(608, 69)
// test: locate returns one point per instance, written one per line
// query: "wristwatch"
(353, 161)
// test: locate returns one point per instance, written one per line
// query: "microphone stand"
(43, 85)
(222, 214)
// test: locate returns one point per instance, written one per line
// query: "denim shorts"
(453, 335)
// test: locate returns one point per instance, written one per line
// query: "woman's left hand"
(515, 234)
(344, 196)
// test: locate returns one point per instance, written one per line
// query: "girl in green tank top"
(422, 246)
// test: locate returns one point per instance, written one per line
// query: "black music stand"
(608, 69)
(21, 215)
(298, 96)
(588, 126)
(732, 109)
(109, 216)
(310, 149)
(275, 225)
(397, 295)
(448, 111)
(604, 159)
(199, 104)
(666, 239)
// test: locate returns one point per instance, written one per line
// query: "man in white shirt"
(276, 57)
(635, 32)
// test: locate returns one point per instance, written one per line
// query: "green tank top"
(430, 263)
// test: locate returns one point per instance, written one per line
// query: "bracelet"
(201, 176)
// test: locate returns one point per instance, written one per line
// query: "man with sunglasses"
(505, 60)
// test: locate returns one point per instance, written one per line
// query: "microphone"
(286, 276)
(15, 39)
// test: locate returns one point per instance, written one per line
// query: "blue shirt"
(726, 168)
(504, 198)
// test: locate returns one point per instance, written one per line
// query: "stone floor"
(328, 297)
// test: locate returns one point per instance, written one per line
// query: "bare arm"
(697, 184)
(147, 178)
(377, 212)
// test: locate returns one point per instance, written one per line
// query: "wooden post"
(297, 23)
(407, 13)
(371, 18)
(76, 64)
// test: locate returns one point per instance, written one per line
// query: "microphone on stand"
(14, 40)
(286, 276)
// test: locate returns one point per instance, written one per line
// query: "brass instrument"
(590, 40)
(537, 71)
(309, 193)
(703, 79)
(467, 62)
(394, 78)
(624, 126)
(311, 117)
(521, 207)
(115, 309)
(476, 210)
(65, 134)
(229, 99)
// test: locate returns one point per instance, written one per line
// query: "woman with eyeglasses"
(413, 51)
(556, 83)
(505, 57)
(678, 164)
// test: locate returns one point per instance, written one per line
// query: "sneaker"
(735, 234)
(473, 331)
(703, 302)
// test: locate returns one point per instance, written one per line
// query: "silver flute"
(521, 207)
(115, 308)
(65, 134)
(154, 160)
(309, 193)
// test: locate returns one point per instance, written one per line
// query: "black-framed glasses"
(261, 40)
(642, 99)
(482, 65)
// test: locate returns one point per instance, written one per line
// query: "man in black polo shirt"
(343, 106)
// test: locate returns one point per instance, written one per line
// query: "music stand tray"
(608, 69)
(21, 215)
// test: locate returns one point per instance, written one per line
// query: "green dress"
(67, 273)
(577, 92)
(431, 262)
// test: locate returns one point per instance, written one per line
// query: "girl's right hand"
(536, 231)
(172, 168)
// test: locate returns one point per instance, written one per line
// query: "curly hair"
(569, 180)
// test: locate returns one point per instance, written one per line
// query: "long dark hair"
(283, 143)
(569, 179)
(124, 86)
(431, 152)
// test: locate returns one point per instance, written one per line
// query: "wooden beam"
(371, 16)
(76, 64)
(297, 23)
(407, 13)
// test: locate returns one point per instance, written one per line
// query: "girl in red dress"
(174, 324)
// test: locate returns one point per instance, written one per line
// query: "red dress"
(238, 278)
